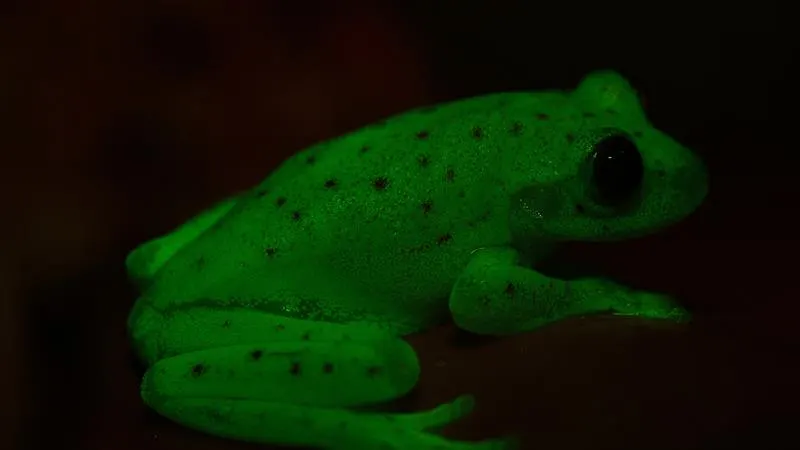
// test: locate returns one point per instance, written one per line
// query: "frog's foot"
(145, 260)
(495, 295)
(296, 393)
(648, 305)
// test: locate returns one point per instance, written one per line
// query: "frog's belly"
(373, 286)
(392, 279)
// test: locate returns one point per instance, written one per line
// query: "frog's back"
(404, 183)
(397, 206)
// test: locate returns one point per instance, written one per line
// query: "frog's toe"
(463, 405)
(420, 430)
(440, 416)
(663, 307)
(653, 306)
(457, 409)
(680, 315)
(507, 443)
(432, 442)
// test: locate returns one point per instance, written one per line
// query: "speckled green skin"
(283, 305)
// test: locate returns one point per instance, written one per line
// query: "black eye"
(617, 169)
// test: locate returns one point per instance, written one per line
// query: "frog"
(280, 315)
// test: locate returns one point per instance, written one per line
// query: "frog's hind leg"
(145, 260)
(277, 380)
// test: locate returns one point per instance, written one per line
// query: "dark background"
(122, 119)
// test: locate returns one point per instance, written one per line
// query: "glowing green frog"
(276, 314)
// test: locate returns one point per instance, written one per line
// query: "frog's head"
(619, 177)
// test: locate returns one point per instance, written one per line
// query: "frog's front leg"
(278, 380)
(496, 295)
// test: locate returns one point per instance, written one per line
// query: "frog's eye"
(617, 169)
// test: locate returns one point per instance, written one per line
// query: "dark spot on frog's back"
(331, 183)
(450, 175)
(198, 370)
(256, 354)
(270, 251)
(280, 201)
(477, 133)
(296, 216)
(423, 135)
(516, 128)
(423, 161)
(294, 368)
(363, 149)
(427, 205)
(327, 368)
(570, 138)
(445, 238)
(542, 116)
(589, 115)
(380, 183)
(311, 159)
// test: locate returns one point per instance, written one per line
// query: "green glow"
(273, 316)
(143, 263)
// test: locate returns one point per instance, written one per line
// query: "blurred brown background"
(122, 119)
